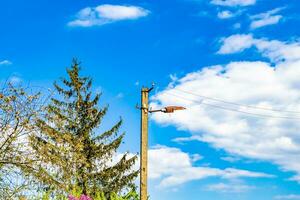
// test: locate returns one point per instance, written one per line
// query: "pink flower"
(70, 197)
(84, 197)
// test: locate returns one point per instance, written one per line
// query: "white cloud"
(230, 159)
(287, 197)
(164, 165)
(226, 14)
(236, 43)
(187, 139)
(270, 20)
(232, 3)
(229, 187)
(263, 136)
(104, 14)
(266, 19)
(275, 50)
(5, 62)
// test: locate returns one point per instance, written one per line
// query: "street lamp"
(144, 137)
(168, 109)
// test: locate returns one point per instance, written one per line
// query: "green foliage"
(113, 196)
(70, 151)
(132, 195)
(48, 196)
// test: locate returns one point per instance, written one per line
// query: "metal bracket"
(146, 110)
(152, 87)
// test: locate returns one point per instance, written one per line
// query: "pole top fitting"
(145, 89)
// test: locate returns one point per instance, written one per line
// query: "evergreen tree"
(70, 152)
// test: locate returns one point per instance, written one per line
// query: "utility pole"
(144, 137)
(144, 143)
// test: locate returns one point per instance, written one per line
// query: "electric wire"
(236, 104)
(232, 109)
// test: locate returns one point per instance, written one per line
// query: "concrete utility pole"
(144, 138)
(144, 143)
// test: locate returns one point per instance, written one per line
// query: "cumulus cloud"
(232, 3)
(249, 109)
(104, 14)
(276, 51)
(5, 62)
(236, 43)
(266, 19)
(164, 166)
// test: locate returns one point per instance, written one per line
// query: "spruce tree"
(70, 151)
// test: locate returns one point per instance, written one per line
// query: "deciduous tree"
(17, 112)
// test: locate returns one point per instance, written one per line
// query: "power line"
(235, 110)
(237, 104)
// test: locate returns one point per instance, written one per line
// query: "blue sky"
(245, 52)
